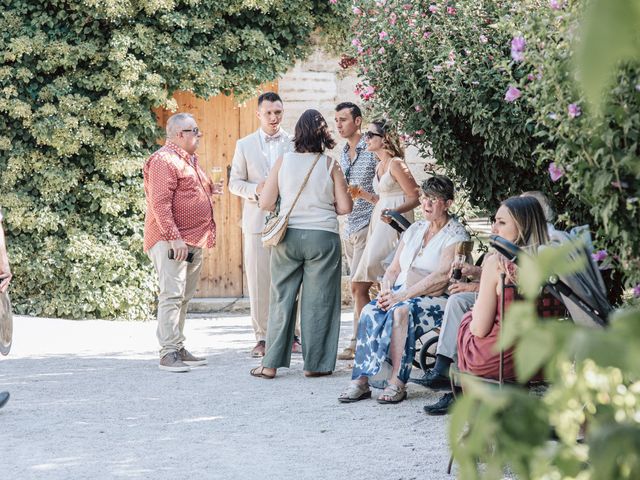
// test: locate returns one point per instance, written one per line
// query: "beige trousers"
(257, 260)
(178, 282)
(353, 247)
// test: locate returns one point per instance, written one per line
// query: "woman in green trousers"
(312, 187)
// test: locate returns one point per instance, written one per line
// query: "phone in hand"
(189, 255)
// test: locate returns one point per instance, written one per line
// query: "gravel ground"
(89, 402)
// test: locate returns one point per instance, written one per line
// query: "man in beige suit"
(255, 155)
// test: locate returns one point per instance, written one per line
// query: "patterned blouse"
(178, 195)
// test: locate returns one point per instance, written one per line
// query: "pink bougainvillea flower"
(574, 110)
(451, 10)
(383, 35)
(556, 4)
(512, 94)
(636, 291)
(599, 256)
(518, 45)
(420, 132)
(531, 77)
(426, 35)
(393, 18)
(483, 39)
(407, 6)
(381, 51)
(418, 108)
(433, 8)
(333, 2)
(356, 42)
(555, 172)
(357, 11)
(367, 92)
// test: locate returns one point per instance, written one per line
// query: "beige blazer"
(249, 167)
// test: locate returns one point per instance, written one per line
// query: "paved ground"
(89, 402)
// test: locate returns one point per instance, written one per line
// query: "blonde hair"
(390, 138)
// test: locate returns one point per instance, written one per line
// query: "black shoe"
(4, 398)
(434, 381)
(441, 407)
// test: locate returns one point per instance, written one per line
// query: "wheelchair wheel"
(428, 354)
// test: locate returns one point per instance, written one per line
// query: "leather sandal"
(259, 373)
(354, 393)
(393, 394)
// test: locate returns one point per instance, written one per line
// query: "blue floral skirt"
(374, 334)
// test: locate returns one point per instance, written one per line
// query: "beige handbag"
(276, 226)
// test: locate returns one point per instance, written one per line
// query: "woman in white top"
(419, 274)
(310, 252)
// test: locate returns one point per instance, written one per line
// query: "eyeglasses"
(430, 198)
(194, 130)
(370, 135)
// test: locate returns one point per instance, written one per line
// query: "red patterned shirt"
(178, 195)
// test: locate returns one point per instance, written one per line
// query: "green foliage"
(595, 389)
(441, 70)
(78, 80)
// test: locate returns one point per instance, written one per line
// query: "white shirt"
(274, 149)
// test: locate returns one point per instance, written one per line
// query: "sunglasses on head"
(194, 130)
(369, 135)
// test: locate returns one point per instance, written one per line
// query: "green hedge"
(78, 82)
(446, 73)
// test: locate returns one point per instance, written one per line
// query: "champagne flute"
(216, 177)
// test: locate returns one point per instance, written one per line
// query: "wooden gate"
(223, 122)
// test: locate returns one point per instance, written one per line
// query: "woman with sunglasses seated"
(396, 190)
(521, 221)
(419, 273)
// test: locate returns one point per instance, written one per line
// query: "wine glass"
(458, 261)
(217, 177)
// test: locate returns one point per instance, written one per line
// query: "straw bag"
(276, 226)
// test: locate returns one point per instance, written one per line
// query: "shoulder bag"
(276, 226)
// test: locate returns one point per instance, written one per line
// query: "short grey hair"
(549, 214)
(176, 122)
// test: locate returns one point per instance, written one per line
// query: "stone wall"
(320, 83)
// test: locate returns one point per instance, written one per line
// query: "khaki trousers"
(353, 246)
(256, 265)
(178, 282)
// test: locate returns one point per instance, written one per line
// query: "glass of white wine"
(217, 177)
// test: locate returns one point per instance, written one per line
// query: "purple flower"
(636, 291)
(433, 8)
(356, 11)
(574, 110)
(512, 94)
(518, 45)
(599, 256)
(556, 4)
(355, 42)
(555, 171)
(383, 35)
(418, 108)
(426, 35)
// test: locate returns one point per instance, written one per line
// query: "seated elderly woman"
(521, 221)
(419, 273)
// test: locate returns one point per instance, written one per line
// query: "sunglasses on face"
(370, 135)
(194, 130)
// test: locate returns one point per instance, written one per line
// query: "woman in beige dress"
(396, 189)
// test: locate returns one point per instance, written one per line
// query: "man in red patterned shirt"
(178, 225)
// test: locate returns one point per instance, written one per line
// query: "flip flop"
(257, 372)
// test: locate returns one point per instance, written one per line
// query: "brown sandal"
(317, 374)
(259, 373)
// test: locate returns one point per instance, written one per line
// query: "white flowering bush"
(488, 88)
(78, 81)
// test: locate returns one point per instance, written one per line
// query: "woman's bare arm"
(484, 310)
(270, 192)
(436, 282)
(400, 171)
(344, 203)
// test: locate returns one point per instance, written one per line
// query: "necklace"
(430, 233)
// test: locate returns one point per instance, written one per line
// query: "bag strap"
(304, 183)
